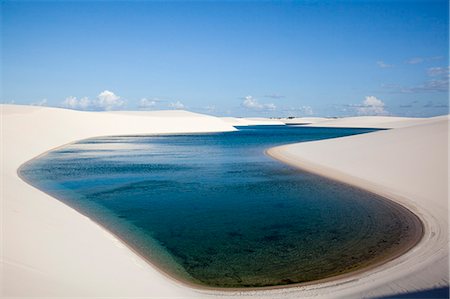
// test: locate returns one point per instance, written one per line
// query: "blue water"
(214, 210)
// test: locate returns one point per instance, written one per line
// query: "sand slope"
(251, 121)
(303, 120)
(48, 249)
(408, 165)
(381, 122)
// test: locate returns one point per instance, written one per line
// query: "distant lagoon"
(212, 210)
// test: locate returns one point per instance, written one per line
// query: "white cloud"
(176, 105)
(269, 106)
(74, 103)
(383, 65)
(107, 100)
(415, 60)
(438, 71)
(252, 103)
(84, 102)
(274, 96)
(147, 103)
(70, 102)
(371, 106)
(438, 81)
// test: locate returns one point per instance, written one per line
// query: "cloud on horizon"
(78, 104)
(371, 106)
(145, 103)
(252, 103)
(106, 100)
(42, 102)
(177, 105)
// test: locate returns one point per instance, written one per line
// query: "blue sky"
(285, 58)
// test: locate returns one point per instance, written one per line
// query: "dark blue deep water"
(214, 210)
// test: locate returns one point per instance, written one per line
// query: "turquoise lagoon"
(212, 210)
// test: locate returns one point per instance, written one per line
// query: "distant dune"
(251, 121)
(385, 122)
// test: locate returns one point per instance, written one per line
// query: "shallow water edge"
(400, 249)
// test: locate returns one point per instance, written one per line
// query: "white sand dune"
(49, 249)
(303, 120)
(408, 165)
(255, 121)
(380, 122)
(251, 121)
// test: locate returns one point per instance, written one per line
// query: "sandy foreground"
(49, 249)
(408, 165)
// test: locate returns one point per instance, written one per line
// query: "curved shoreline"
(416, 236)
(324, 158)
(390, 201)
